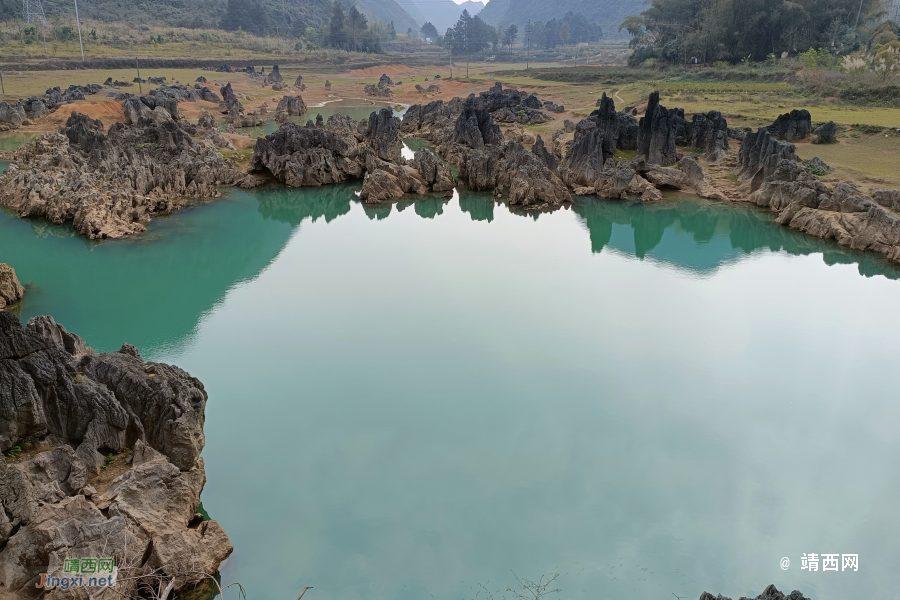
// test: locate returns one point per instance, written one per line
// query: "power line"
(33, 12)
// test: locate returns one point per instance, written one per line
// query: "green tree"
(337, 36)
(509, 36)
(429, 31)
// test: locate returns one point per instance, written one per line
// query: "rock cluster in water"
(66, 408)
(326, 153)
(109, 183)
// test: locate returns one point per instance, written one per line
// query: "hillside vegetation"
(608, 14)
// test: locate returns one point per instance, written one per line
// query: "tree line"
(706, 31)
(472, 35)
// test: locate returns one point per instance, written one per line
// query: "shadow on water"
(153, 290)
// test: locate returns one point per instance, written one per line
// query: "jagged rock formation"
(12, 116)
(207, 121)
(818, 166)
(314, 155)
(378, 90)
(75, 406)
(475, 128)
(434, 121)
(327, 86)
(770, 593)
(299, 81)
(230, 103)
(386, 182)
(736, 133)
(201, 79)
(511, 167)
(825, 134)
(143, 110)
(275, 75)
(773, 177)
(526, 113)
(108, 184)
(792, 126)
(431, 89)
(658, 132)
(11, 291)
(293, 106)
(539, 150)
(888, 198)
(435, 172)
(383, 134)
(709, 134)
(553, 107)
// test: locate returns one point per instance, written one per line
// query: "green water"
(409, 401)
(10, 140)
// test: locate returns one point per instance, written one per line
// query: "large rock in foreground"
(11, 291)
(70, 408)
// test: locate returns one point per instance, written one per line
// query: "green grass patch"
(867, 129)
(725, 87)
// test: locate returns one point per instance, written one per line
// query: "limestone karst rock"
(539, 150)
(434, 171)
(70, 403)
(773, 177)
(826, 133)
(888, 198)
(230, 102)
(11, 291)
(475, 128)
(12, 115)
(293, 106)
(658, 131)
(511, 167)
(709, 134)
(383, 134)
(792, 126)
(309, 156)
(108, 184)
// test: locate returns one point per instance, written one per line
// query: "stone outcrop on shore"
(773, 177)
(109, 183)
(66, 409)
(11, 291)
(321, 154)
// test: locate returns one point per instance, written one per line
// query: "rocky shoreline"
(70, 413)
(109, 184)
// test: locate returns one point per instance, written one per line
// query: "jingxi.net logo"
(81, 572)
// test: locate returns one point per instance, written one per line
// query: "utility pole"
(527, 44)
(466, 42)
(78, 22)
(2, 87)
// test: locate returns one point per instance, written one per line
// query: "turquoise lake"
(415, 401)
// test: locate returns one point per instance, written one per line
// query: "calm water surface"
(409, 401)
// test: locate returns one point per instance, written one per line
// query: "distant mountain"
(443, 14)
(388, 11)
(606, 13)
(292, 16)
(282, 14)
